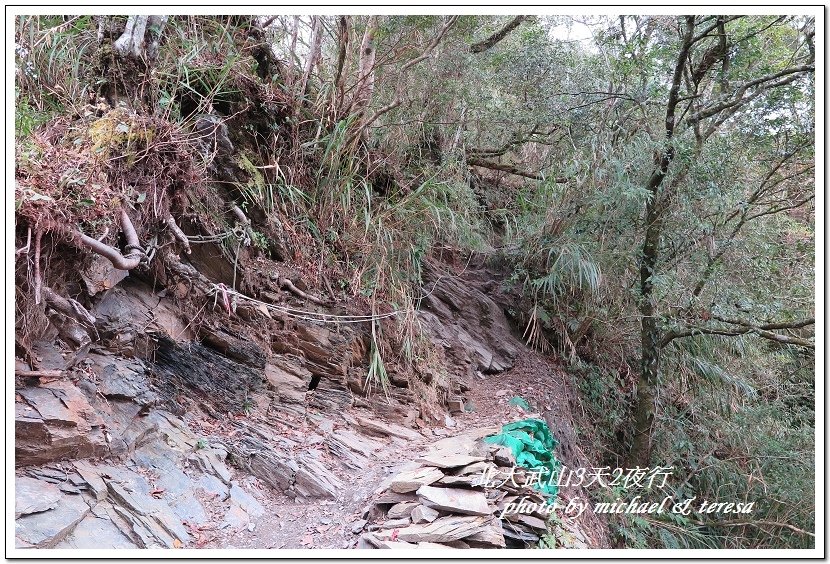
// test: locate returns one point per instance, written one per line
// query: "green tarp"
(532, 444)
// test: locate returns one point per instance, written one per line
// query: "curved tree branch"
(741, 327)
(510, 169)
(286, 284)
(491, 41)
(69, 307)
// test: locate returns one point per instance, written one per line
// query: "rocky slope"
(159, 434)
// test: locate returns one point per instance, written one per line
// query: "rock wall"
(465, 320)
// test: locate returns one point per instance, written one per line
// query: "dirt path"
(336, 524)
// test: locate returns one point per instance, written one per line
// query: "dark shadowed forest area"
(415, 282)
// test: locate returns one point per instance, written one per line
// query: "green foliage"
(26, 118)
(377, 375)
(199, 65)
(54, 61)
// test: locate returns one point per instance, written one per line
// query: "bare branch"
(342, 49)
(69, 307)
(742, 328)
(316, 42)
(752, 524)
(491, 41)
(762, 84)
(515, 140)
(473, 161)
(38, 235)
(768, 326)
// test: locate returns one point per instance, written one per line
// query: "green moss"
(121, 131)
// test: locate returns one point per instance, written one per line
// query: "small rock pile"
(439, 501)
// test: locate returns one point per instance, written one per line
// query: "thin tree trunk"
(640, 453)
(131, 42)
(339, 77)
(316, 42)
(366, 68)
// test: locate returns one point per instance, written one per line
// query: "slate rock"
(246, 501)
(460, 481)
(395, 523)
(423, 514)
(503, 456)
(455, 500)
(356, 442)
(123, 378)
(207, 461)
(92, 478)
(442, 529)
(56, 422)
(69, 488)
(375, 541)
(213, 485)
(47, 528)
(34, 496)
(518, 534)
(400, 510)
(387, 429)
(411, 480)
(448, 459)
(391, 498)
(533, 522)
(313, 479)
(289, 380)
(477, 468)
(490, 534)
(96, 532)
(433, 545)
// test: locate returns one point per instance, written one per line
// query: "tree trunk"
(316, 42)
(366, 68)
(640, 453)
(343, 25)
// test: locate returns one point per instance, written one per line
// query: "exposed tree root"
(286, 284)
(135, 254)
(72, 320)
(177, 232)
(131, 41)
(70, 308)
(38, 373)
(25, 249)
(245, 222)
(37, 284)
(197, 280)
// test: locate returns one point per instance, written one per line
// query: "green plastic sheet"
(532, 445)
